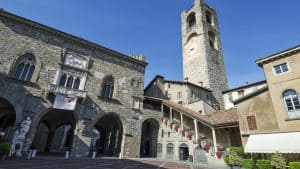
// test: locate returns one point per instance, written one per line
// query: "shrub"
(226, 160)
(239, 151)
(248, 164)
(4, 148)
(263, 164)
(294, 165)
(278, 161)
(235, 159)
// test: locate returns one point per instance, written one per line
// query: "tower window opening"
(191, 20)
(212, 38)
(209, 17)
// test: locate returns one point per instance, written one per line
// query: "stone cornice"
(277, 56)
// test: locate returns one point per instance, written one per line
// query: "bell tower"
(203, 62)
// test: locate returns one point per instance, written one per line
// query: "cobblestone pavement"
(55, 163)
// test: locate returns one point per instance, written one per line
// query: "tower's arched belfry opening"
(203, 62)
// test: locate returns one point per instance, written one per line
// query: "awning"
(270, 143)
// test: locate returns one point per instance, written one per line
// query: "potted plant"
(4, 150)
(219, 154)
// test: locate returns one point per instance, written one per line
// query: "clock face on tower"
(192, 49)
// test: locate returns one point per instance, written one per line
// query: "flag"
(183, 133)
(66, 102)
(190, 136)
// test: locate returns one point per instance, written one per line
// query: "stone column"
(181, 120)
(196, 129)
(214, 139)
(82, 140)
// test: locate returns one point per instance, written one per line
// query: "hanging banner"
(65, 102)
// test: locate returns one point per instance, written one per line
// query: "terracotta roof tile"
(224, 116)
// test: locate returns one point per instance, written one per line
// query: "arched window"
(209, 17)
(191, 20)
(25, 68)
(70, 82)
(211, 37)
(76, 83)
(108, 87)
(170, 151)
(62, 80)
(291, 100)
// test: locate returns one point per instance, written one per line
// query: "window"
(212, 38)
(136, 103)
(193, 95)
(281, 68)
(108, 87)
(162, 133)
(291, 100)
(69, 81)
(191, 20)
(170, 148)
(209, 17)
(251, 120)
(26, 68)
(241, 93)
(133, 83)
(169, 134)
(159, 148)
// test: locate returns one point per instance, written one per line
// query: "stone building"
(269, 117)
(83, 97)
(194, 124)
(229, 96)
(203, 62)
(78, 95)
(187, 94)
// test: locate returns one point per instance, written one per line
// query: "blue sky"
(249, 29)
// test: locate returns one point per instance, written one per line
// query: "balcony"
(52, 88)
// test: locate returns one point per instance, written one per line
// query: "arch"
(26, 66)
(192, 36)
(18, 59)
(183, 152)
(191, 20)
(159, 150)
(7, 119)
(108, 87)
(208, 17)
(291, 100)
(148, 146)
(110, 129)
(76, 83)
(56, 139)
(170, 151)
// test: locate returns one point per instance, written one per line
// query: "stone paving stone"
(52, 163)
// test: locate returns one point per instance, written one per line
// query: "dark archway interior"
(7, 119)
(148, 146)
(55, 132)
(110, 136)
(183, 152)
